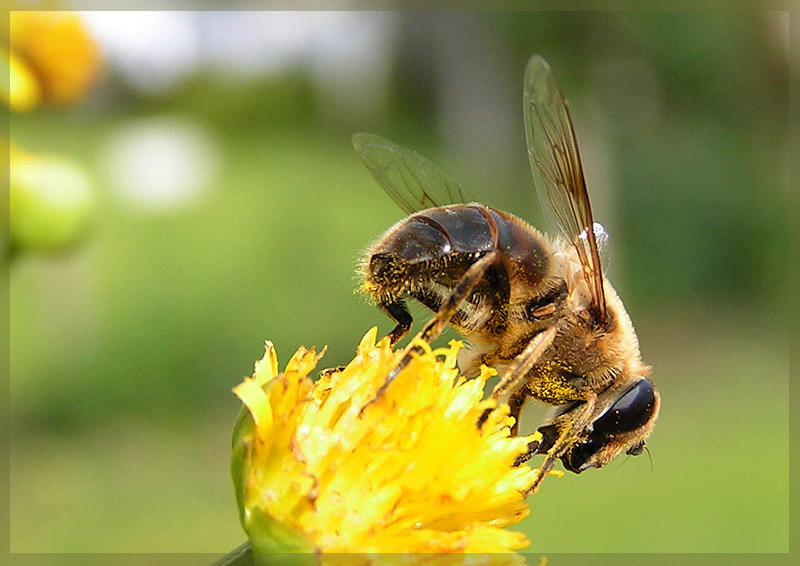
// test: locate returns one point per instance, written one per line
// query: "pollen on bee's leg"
(541, 473)
(533, 449)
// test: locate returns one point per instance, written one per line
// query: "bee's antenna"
(649, 457)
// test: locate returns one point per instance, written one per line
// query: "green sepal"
(271, 541)
(274, 541)
(241, 441)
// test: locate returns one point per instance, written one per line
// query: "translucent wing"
(557, 169)
(414, 182)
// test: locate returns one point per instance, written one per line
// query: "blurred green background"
(231, 208)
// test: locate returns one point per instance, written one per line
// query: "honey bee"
(537, 308)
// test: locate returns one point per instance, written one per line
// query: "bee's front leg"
(566, 439)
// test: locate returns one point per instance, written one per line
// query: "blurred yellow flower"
(338, 466)
(50, 57)
(22, 93)
(56, 49)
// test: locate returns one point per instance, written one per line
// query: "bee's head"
(624, 418)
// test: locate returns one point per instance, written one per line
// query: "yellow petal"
(267, 367)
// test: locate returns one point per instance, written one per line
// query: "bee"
(537, 308)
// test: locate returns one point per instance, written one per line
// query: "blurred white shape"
(160, 164)
(153, 51)
(347, 54)
(256, 43)
(350, 59)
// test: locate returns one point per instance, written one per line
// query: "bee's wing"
(557, 169)
(414, 182)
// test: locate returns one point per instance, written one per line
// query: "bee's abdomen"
(435, 233)
(461, 229)
(438, 245)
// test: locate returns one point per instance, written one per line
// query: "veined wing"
(412, 181)
(557, 170)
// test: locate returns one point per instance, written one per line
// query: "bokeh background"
(220, 204)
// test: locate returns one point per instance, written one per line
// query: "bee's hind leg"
(435, 326)
(398, 312)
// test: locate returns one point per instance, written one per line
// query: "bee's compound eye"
(632, 410)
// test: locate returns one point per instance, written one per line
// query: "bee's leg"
(515, 403)
(398, 312)
(512, 383)
(564, 441)
(514, 378)
(329, 371)
(436, 325)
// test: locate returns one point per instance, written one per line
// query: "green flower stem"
(242, 555)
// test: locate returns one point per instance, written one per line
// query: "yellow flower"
(22, 93)
(339, 466)
(56, 49)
